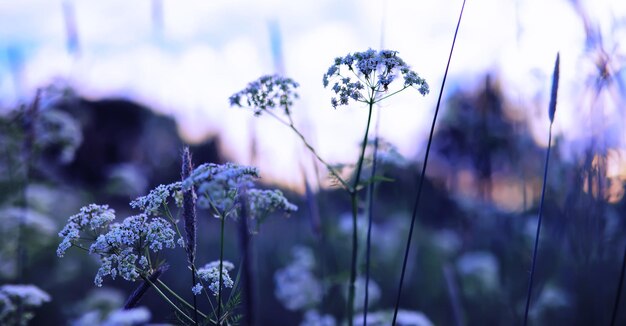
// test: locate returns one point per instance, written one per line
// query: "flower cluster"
(122, 249)
(263, 202)
(312, 317)
(58, 132)
(210, 273)
(375, 71)
(296, 285)
(217, 185)
(152, 203)
(15, 299)
(267, 92)
(92, 217)
(135, 316)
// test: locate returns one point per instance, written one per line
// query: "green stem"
(355, 209)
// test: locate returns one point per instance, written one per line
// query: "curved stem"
(421, 182)
(330, 169)
(354, 198)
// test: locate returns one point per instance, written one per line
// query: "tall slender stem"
(355, 210)
(370, 210)
(423, 174)
(219, 291)
(543, 192)
(619, 291)
(246, 259)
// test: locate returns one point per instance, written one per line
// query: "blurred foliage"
(472, 247)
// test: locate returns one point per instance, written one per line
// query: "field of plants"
(110, 216)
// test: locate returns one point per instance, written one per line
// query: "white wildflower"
(268, 92)
(210, 273)
(197, 289)
(158, 197)
(374, 72)
(481, 267)
(296, 285)
(29, 295)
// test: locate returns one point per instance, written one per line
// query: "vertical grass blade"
(619, 291)
(551, 111)
(421, 182)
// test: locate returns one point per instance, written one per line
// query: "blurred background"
(123, 85)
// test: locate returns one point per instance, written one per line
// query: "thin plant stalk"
(28, 127)
(370, 211)
(181, 300)
(532, 269)
(219, 291)
(423, 174)
(619, 291)
(246, 259)
(453, 293)
(178, 310)
(355, 210)
(551, 111)
(310, 147)
(189, 218)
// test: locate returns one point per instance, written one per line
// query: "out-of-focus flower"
(26, 296)
(135, 316)
(127, 180)
(60, 132)
(313, 318)
(552, 298)
(405, 318)
(296, 285)
(359, 296)
(480, 269)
